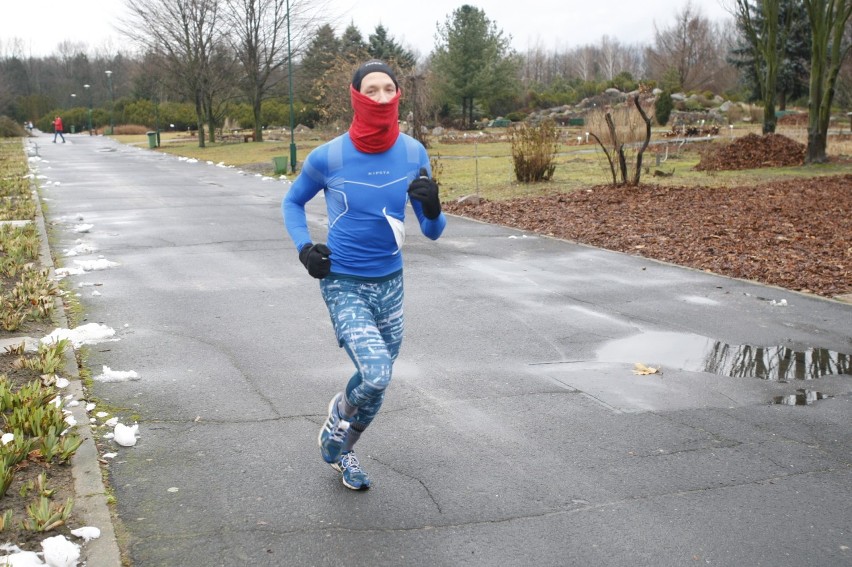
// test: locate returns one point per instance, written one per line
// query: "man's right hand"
(316, 259)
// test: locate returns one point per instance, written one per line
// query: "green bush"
(534, 151)
(624, 82)
(141, 111)
(693, 105)
(181, 114)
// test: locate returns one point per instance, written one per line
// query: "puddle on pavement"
(802, 397)
(702, 354)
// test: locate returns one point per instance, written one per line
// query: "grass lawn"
(476, 163)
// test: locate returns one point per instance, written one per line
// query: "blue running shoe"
(353, 476)
(332, 436)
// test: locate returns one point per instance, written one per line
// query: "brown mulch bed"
(795, 234)
(752, 151)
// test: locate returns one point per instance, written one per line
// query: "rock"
(469, 200)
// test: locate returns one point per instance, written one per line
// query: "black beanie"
(372, 66)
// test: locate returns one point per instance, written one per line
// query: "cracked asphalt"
(514, 432)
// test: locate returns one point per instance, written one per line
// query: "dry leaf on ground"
(642, 370)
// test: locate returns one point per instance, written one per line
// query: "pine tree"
(320, 56)
(473, 61)
(382, 46)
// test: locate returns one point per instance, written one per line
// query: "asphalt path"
(514, 432)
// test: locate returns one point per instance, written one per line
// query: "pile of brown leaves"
(752, 151)
(794, 234)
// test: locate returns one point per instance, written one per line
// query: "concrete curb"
(90, 497)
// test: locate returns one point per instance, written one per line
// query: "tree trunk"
(771, 11)
(211, 121)
(770, 121)
(645, 143)
(816, 147)
(258, 127)
(828, 22)
(199, 119)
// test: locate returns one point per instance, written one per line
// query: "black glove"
(425, 190)
(315, 257)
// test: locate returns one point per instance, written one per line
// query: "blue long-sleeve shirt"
(365, 196)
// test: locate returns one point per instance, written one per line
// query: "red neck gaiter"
(375, 127)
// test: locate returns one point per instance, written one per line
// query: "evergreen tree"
(473, 61)
(320, 56)
(382, 46)
(352, 45)
(663, 108)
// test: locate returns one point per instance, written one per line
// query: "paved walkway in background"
(515, 431)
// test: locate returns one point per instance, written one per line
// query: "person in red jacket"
(57, 129)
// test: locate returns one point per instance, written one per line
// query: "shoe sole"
(350, 487)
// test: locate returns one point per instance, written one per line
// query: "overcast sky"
(552, 24)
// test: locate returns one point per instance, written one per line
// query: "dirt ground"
(795, 234)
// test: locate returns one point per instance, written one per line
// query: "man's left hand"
(425, 190)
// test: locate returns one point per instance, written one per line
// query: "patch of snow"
(59, 552)
(87, 533)
(110, 375)
(92, 265)
(124, 435)
(89, 334)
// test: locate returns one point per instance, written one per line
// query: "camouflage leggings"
(368, 322)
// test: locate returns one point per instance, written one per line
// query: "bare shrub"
(734, 114)
(11, 129)
(534, 150)
(756, 114)
(617, 142)
(131, 129)
(629, 124)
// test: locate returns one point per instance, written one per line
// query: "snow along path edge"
(90, 497)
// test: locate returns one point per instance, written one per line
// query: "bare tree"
(585, 62)
(419, 101)
(219, 86)
(829, 19)
(185, 32)
(688, 53)
(760, 28)
(262, 39)
(534, 68)
(616, 155)
(609, 50)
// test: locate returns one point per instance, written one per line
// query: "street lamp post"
(73, 102)
(112, 103)
(292, 117)
(90, 108)
(157, 117)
